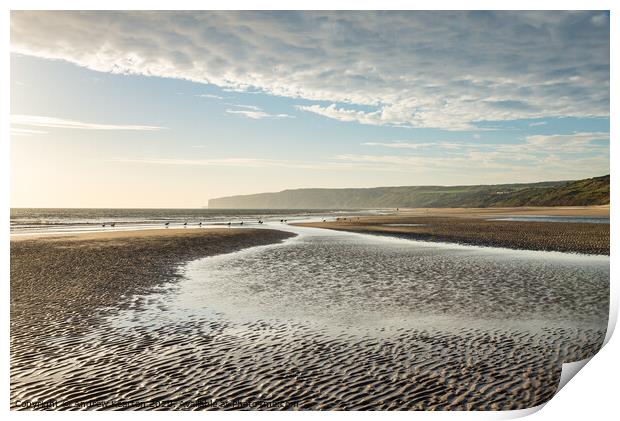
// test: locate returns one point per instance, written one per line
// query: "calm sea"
(25, 220)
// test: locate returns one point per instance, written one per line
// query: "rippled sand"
(332, 320)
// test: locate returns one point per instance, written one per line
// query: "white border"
(592, 394)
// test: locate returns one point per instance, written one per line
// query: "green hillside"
(591, 191)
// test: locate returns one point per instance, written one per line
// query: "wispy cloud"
(421, 145)
(17, 131)
(59, 123)
(211, 96)
(254, 112)
(562, 140)
(239, 162)
(538, 123)
(400, 68)
(247, 107)
(560, 151)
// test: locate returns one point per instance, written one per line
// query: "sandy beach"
(581, 211)
(479, 227)
(62, 286)
(96, 322)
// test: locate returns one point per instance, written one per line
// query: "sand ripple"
(330, 322)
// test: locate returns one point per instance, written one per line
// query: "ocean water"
(31, 220)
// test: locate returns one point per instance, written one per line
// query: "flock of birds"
(167, 224)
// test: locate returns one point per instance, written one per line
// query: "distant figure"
(396, 209)
(260, 222)
(241, 222)
(285, 221)
(323, 220)
(281, 220)
(228, 225)
(103, 225)
(113, 224)
(185, 225)
(199, 224)
(166, 224)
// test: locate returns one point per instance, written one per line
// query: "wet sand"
(470, 226)
(62, 286)
(93, 325)
(580, 211)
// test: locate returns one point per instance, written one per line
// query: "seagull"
(185, 225)
(166, 224)
(199, 224)
(241, 222)
(113, 224)
(229, 225)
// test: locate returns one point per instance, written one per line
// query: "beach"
(61, 286)
(324, 320)
(490, 227)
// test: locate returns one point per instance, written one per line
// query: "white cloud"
(254, 112)
(535, 157)
(343, 114)
(17, 131)
(559, 153)
(240, 162)
(423, 145)
(210, 96)
(537, 123)
(563, 140)
(420, 69)
(59, 123)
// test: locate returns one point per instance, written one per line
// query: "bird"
(103, 225)
(241, 222)
(199, 224)
(323, 220)
(281, 220)
(229, 225)
(113, 224)
(166, 224)
(185, 225)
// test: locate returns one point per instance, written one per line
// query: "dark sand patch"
(546, 236)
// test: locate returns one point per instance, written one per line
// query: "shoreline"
(467, 229)
(574, 211)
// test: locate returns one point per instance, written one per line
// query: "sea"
(70, 220)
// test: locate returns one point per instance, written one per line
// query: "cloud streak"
(254, 112)
(59, 123)
(447, 70)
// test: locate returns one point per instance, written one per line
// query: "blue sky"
(171, 109)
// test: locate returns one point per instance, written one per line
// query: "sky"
(170, 109)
